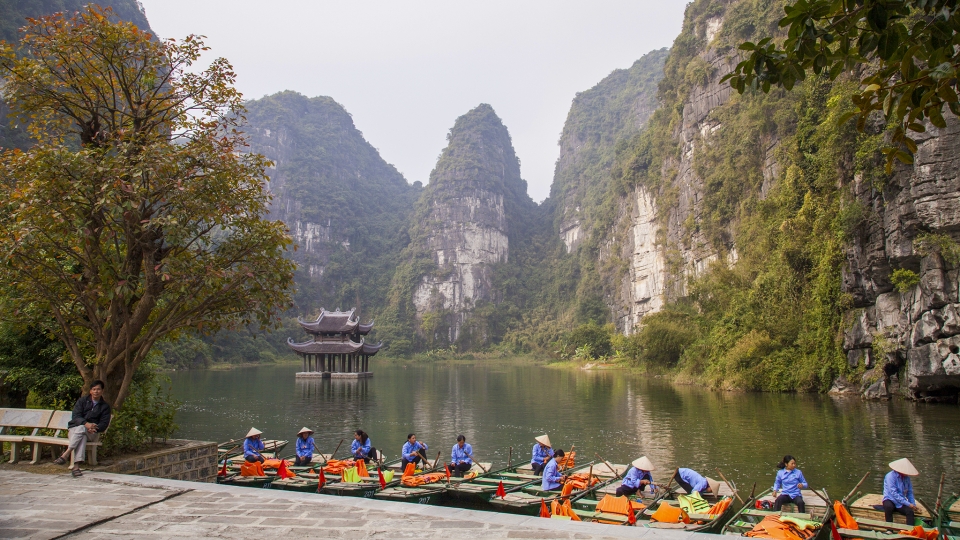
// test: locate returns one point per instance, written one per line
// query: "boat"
(234, 448)
(705, 523)
(748, 517)
(948, 522)
(586, 507)
(431, 493)
(527, 500)
(367, 487)
(867, 510)
(480, 489)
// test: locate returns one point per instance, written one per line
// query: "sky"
(406, 70)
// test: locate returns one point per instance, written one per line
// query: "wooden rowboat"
(948, 521)
(367, 488)
(586, 506)
(424, 494)
(479, 490)
(817, 510)
(527, 500)
(705, 523)
(231, 449)
(867, 510)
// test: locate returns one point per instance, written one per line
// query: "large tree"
(906, 52)
(137, 214)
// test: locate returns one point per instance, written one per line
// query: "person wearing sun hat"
(637, 478)
(252, 446)
(898, 491)
(305, 447)
(542, 452)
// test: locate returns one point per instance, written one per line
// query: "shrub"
(663, 337)
(147, 414)
(593, 336)
(904, 279)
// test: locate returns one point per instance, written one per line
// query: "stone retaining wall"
(185, 460)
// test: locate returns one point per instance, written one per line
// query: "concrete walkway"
(104, 505)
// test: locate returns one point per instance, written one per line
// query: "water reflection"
(616, 415)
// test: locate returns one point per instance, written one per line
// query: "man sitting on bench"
(91, 416)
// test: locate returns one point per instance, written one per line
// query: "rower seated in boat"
(413, 451)
(361, 447)
(542, 452)
(637, 478)
(691, 481)
(788, 484)
(252, 446)
(898, 491)
(305, 447)
(461, 457)
(552, 479)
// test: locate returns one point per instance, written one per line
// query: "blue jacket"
(410, 449)
(551, 476)
(634, 476)
(461, 455)
(251, 447)
(305, 447)
(360, 450)
(692, 477)
(788, 482)
(898, 489)
(539, 454)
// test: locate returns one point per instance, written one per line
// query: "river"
(618, 415)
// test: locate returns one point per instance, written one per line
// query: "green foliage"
(904, 279)
(942, 244)
(664, 337)
(34, 364)
(904, 51)
(593, 338)
(115, 233)
(147, 414)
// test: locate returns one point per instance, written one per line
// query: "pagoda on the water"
(337, 349)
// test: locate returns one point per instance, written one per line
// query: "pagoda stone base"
(332, 375)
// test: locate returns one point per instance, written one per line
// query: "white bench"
(59, 422)
(10, 419)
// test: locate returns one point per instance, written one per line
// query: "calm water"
(617, 415)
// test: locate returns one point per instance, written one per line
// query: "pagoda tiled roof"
(364, 329)
(331, 322)
(371, 349)
(326, 346)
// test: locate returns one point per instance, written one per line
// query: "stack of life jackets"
(336, 466)
(252, 469)
(579, 481)
(610, 504)
(784, 528)
(564, 509)
(666, 513)
(415, 481)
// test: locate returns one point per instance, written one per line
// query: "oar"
(510, 457)
(943, 476)
(566, 458)
(753, 491)
(824, 499)
(855, 488)
(611, 467)
(484, 469)
(435, 462)
(735, 492)
(325, 460)
(225, 456)
(667, 487)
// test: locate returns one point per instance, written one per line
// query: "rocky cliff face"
(346, 208)
(908, 341)
(463, 224)
(615, 109)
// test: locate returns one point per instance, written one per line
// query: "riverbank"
(102, 505)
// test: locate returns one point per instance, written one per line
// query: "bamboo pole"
(735, 492)
(334, 452)
(510, 457)
(611, 467)
(855, 488)
(566, 458)
(943, 476)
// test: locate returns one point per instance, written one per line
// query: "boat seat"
(744, 525)
(10, 419)
(883, 524)
(872, 535)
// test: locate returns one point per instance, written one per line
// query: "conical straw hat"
(643, 464)
(253, 431)
(903, 466)
(714, 485)
(544, 440)
(304, 430)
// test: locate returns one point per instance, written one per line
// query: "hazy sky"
(407, 70)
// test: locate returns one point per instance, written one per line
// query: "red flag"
(321, 480)
(631, 513)
(447, 467)
(833, 531)
(544, 512)
(383, 483)
(500, 491)
(282, 470)
(223, 470)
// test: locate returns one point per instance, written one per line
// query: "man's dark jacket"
(85, 411)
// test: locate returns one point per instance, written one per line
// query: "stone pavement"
(111, 506)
